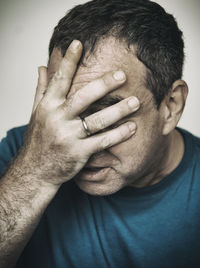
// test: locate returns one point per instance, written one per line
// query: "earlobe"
(174, 104)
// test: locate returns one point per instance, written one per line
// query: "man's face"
(136, 160)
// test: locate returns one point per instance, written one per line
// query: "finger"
(107, 139)
(61, 81)
(41, 86)
(93, 91)
(111, 115)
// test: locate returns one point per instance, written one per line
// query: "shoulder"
(10, 145)
(192, 146)
(189, 137)
(13, 139)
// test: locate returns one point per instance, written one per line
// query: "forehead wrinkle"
(87, 74)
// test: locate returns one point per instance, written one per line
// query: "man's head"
(140, 23)
(141, 39)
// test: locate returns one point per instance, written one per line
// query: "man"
(101, 176)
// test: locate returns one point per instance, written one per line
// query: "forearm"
(57, 147)
(23, 199)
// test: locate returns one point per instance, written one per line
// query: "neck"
(174, 151)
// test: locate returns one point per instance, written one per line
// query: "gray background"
(25, 29)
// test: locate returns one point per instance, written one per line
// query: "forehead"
(109, 55)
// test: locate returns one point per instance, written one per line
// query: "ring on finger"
(85, 127)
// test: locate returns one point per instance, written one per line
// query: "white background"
(25, 29)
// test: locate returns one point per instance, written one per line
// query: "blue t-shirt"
(152, 227)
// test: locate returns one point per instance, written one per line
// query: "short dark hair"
(142, 23)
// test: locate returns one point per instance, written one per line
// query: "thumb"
(41, 86)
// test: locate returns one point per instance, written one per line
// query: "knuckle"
(64, 83)
(99, 83)
(58, 75)
(78, 99)
(47, 104)
(123, 132)
(51, 121)
(60, 139)
(46, 110)
(121, 110)
(69, 59)
(98, 123)
(105, 141)
(106, 81)
(80, 96)
(127, 130)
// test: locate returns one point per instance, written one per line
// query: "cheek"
(142, 145)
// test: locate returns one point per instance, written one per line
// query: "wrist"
(27, 171)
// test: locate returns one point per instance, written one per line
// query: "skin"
(152, 153)
(57, 149)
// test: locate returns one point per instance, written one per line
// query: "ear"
(173, 105)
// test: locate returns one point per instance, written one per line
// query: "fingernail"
(75, 45)
(119, 76)
(134, 102)
(132, 127)
(39, 70)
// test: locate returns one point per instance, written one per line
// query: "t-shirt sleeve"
(10, 145)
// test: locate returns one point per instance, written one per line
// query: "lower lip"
(93, 176)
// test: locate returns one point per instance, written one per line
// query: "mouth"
(94, 174)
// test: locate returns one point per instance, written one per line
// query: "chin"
(98, 188)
